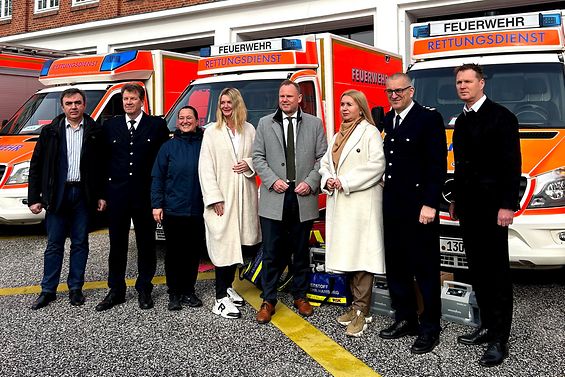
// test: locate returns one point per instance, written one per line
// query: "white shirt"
(137, 120)
(476, 106)
(285, 127)
(235, 139)
(74, 138)
(404, 113)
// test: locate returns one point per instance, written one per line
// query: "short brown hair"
(473, 67)
(290, 82)
(134, 87)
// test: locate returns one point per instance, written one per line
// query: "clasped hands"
(301, 189)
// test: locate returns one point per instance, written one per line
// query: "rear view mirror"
(378, 115)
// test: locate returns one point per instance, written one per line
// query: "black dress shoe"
(43, 300)
(112, 299)
(479, 336)
(174, 302)
(494, 355)
(425, 343)
(76, 298)
(398, 330)
(191, 300)
(145, 300)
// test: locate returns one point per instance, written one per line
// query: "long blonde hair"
(239, 113)
(361, 101)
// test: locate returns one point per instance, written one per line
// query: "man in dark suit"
(486, 147)
(133, 141)
(64, 179)
(416, 164)
(286, 155)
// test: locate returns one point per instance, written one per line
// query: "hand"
(337, 185)
(101, 205)
(219, 208)
(302, 189)
(330, 184)
(280, 186)
(36, 208)
(158, 215)
(452, 212)
(241, 167)
(505, 217)
(427, 215)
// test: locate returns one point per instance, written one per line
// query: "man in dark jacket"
(133, 141)
(416, 165)
(486, 147)
(64, 179)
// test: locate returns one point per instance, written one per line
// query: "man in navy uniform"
(416, 165)
(133, 141)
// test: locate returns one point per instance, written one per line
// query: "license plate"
(451, 245)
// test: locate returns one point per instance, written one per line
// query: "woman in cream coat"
(229, 190)
(351, 173)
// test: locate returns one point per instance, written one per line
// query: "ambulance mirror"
(378, 114)
(4, 121)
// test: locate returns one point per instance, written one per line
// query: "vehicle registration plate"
(451, 245)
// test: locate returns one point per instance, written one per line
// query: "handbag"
(327, 287)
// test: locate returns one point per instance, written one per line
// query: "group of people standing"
(382, 206)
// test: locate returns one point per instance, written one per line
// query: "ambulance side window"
(113, 107)
(308, 104)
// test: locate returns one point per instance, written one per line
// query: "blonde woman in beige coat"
(229, 191)
(351, 173)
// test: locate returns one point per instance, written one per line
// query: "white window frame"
(5, 9)
(49, 5)
(83, 2)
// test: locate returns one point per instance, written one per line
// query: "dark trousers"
(72, 220)
(281, 239)
(184, 236)
(412, 251)
(119, 227)
(224, 280)
(486, 247)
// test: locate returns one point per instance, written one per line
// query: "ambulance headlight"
(20, 174)
(550, 190)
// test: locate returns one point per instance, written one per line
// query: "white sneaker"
(235, 297)
(226, 308)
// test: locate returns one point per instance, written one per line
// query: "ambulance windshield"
(260, 97)
(534, 92)
(40, 110)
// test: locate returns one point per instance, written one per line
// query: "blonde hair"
(361, 101)
(239, 113)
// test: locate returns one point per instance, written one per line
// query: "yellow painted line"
(31, 289)
(330, 355)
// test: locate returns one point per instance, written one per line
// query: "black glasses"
(398, 92)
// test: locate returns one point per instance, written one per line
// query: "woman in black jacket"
(177, 205)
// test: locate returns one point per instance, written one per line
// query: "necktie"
(397, 122)
(131, 128)
(290, 166)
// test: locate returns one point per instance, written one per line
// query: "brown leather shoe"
(265, 313)
(304, 307)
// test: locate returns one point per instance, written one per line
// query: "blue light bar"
(205, 52)
(291, 44)
(114, 61)
(45, 68)
(549, 20)
(421, 31)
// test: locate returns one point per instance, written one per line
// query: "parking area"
(62, 340)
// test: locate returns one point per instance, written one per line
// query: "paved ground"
(61, 340)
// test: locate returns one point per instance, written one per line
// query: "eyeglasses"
(398, 92)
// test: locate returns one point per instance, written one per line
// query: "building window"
(5, 9)
(81, 2)
(46, 5)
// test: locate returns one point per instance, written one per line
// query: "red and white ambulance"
(523, 58)
(324, 65)
(163, 74)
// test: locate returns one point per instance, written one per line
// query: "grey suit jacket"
(269, 163)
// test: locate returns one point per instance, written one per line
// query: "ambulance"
(163, 74)
(19, 70)
(523, 59)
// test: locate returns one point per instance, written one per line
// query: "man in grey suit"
(287, 151)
